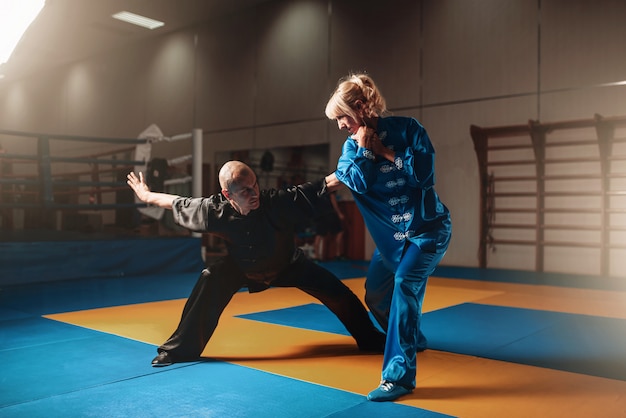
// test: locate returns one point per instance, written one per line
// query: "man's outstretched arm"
(144, 194)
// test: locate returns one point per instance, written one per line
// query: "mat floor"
(496, 349)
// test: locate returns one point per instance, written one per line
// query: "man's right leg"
(213, 291)
(336, 296)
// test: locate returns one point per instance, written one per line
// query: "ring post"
(196, 167)
(45, 172)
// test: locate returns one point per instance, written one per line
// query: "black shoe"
(162, 360)
(374, 344)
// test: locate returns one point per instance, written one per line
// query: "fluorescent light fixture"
(15, 18)
(138, 20)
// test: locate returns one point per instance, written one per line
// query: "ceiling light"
(15, 18)
(138, 20)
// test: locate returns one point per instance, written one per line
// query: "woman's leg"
(403, 332)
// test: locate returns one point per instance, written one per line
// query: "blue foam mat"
(46, 370)
(531, 277)
(358, 268)
(7, 314)
(56, 369)
(35, 262)
(21, 333)
(77, 295)
(575, 343)
(211, 389)
(312, 316)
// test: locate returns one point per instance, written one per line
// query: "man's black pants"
(220, 281)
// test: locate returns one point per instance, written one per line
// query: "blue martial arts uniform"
(411, 228)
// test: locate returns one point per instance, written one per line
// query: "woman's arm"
(418, 159)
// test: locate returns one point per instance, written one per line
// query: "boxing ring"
(72, 191)
(91, 186)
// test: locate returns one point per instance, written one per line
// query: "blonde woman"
(388, 163)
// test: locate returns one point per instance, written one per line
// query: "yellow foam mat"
(448, 383)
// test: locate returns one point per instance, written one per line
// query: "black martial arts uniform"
(261, 254)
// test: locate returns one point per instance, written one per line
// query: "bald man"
(258, 228)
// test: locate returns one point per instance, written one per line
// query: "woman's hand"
(367, 137)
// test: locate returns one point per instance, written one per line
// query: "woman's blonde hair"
(351, 89)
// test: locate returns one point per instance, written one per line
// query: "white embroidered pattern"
(369, 154)
(399, 236)
(397, 200)
(404, 217)
(393, 183)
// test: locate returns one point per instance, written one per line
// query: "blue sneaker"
(388, 391)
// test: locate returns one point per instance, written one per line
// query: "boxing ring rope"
(45, 187)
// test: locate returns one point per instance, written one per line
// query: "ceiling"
(71, 30)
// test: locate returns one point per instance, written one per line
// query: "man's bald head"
(239, 185)
(234, 173)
